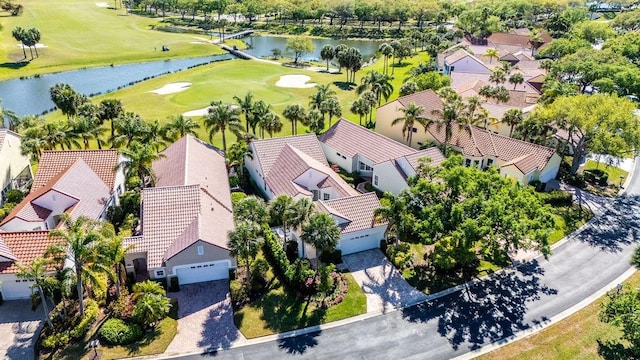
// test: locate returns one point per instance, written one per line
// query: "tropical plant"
(244, 242)
(128, 127)
(138, 161)
(66, 99)
(412, 114)
(270, 123)
(512, 117)
(151, 303)
(327, 54)
(516, 79)
(378, 83)
(321, 231)
(451, 115)
(331, 106)
(246, 105)
(315, 121)
(492, 53)
(36, 270)
(220, 118)
(238, 152)
(8, 118)
(294, 113)
(393, 212)
(109, 110)
(252, 209)
(179, 126)
(360, 108)
(387, 51)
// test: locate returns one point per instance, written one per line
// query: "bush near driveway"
(118, 332)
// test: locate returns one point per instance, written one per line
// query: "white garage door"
(358, 244)
(13, 289)
(207, 271)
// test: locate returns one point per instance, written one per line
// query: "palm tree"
(294, 113)
(81, 239)
(34, 36)
(321, 231)
(179, 126)
(492, 53)
(83, 128)
(220, 118)
(244, 242)
(322, 93)
(246, 105)
(516, 79)
(152, 305)
(452, 114)
(270, 123)
(33, 142)
(300, 211)
(386, 50)
(498, 76)
(156, 134)
(37, 271)
(138, 161)
(412, 114)
(66, 99)
(392, 211)
(146, 288)
(279, 210)
(315, 121)
(113, 253)
(360, 108)
(251, 209)
(8, 117)
(109, 110)
(378, 83)
(512, 117)
(238, 152)
(128, 127)
(327, 54)
(370, 99)
(20, 35)
(331, 106)
(56, 133)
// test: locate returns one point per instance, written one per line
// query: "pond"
(31, 95)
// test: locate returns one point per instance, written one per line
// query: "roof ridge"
(169, 187)
(214, 198)
(473, 138)
(493, 144)
(378, 135)
(517, 140)
(186, 159)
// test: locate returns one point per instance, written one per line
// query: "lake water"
(31, 95)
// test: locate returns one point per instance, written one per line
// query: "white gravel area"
(102, 4)
(172, 88)
(38, 45)
(295, 81)
(197, 112)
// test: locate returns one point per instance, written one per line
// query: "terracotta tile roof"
(190, 161)
(432, 153)
(25, 246)
(102, 162)
(428, 99)
(351, 139)
(465, 81)
(268, 150)
(515, 39)
(5, 252)
(357, 209)
(192, 202)
(292, 163)
(485, 143)
(78, 182)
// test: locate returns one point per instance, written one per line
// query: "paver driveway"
(19, 327)
(382, 283)
(205, 318)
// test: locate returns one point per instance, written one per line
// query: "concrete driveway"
(205, 318)
(19, 327)
(381, 282)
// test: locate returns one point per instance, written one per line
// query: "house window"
(452, 68)
(489, 162)
(338, 154)
(467, 162)
(325, 196)
(200, 250)
(414, 130)
(159, 273)
(375, 180)
(364, 167)
(119, 190)
(475, 163)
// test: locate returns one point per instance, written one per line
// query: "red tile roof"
(515, 39)
(25, 246)
(357, 209)
(432, 153)
(485, 143)
(102, 162)
(428, 99)
(267, 151)
(351, 139)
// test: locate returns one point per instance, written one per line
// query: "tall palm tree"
(83, 128)
(300, 211)
(180, 126)
(81, 239)
(378, 83)
(327, 54)
(246, 105)
(260, 110)
(36, 270)
(128, 127)
(156, 134)
(392, 211)
(386, 50)
(251, 209)
(8, 118)
(370, 99)
(223, 117)
(315, 121)
(294, 113)
(513, 118)
(412, 114)
(322, 93)
(113, 253)
(451, 115)
(321, 231)
(109, 110)
(33, 142)
(270, 123)
(516, 79)
(238, 152)
(498, 76)
(492, 53)
(280, 210)
(20, 35)
(138, 161)
(244, 242)
(360, 108)
(57, 134)
(331, 106)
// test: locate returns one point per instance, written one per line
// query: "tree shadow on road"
(486, 311)
(298, 345)
(618, 227)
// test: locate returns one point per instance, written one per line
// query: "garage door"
(13, 289)
(358, 244)
(207, 271)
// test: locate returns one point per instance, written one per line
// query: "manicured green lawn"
(78, 33)
(153, 343)
(277, 311)
(575, 337)
(568, 219)
(613, 171)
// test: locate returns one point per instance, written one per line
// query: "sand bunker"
(198, 112)
(295, 81)
(172, 88)
(102, 4)
(38, 45)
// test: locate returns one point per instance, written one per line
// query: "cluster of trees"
(348, 58)
(252, 217)
(468, 214)
(27, 37)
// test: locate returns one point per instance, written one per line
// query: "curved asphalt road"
(488, 311)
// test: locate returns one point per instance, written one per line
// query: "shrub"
(13, 196)
(557, 198)
(238, 292)
(400, 256)
(576, 180)
(233, 181)
(162, 282)
(237, 196)
(90, 316)
(118, 332)
(331, 256)
(292, 250)
(122, 308)
(173, 313)
(55, 340)
(259, 270)
(174, 284)
(536, 184)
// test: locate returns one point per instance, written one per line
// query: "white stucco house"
(461, 61)
(15, 168)
(185, 219)
(78, 183)
(388, 163)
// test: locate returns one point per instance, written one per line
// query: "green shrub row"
(557, 198)
(90, 315)
(118, 332)
(294, 275)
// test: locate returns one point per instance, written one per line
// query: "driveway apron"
(19, 327)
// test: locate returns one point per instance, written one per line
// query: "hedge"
(276, 253)
(90, 315)
(557, 198)
(118, 332)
